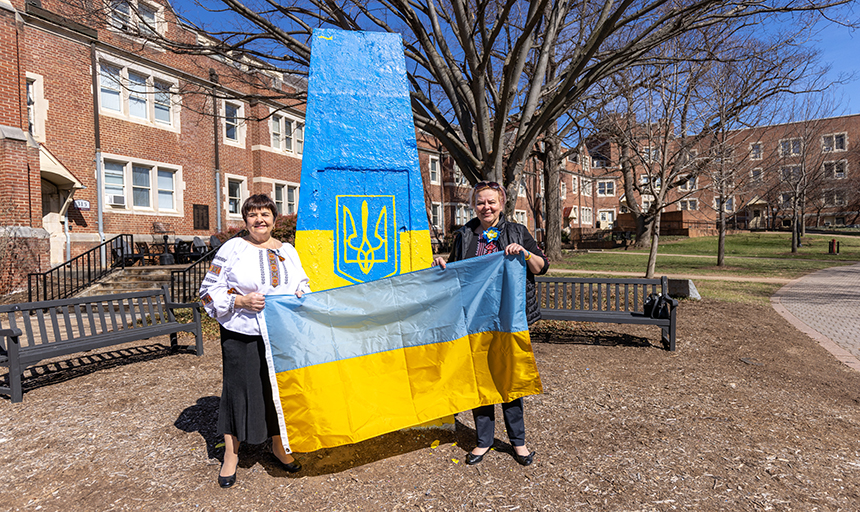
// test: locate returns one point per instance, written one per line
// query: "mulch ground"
(747, 414)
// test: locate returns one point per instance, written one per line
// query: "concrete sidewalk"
(826, 306)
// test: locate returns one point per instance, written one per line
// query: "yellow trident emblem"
(365, 252)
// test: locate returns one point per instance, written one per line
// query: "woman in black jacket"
(485, 234)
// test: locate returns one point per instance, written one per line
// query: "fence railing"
(69, 278)
(185, 283)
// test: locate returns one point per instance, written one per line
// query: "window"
(574, 185)
(606, 218)
(755, 175)
(790, 147)
(835, 170)
(646, 179)
(791, 173)
(586, 187)
(688, 204)
(835, 198)
(136, 17)
(521, 189)
(833, 142)
(651, 154)
(728, 204)
(459, 179)
(279, 198)
(287, 134)
(586, 216)
(520, 217)
(436, 220)
(598, 163)
(434, 170)
(562, 189)
(292, 199)
(231, 121)
(138, 95)
(755, 151)
(647, 201)
(462, 214)
(37, 106)
(153, 185)
(688, 185)
(234, 196)
(785, 199)
(605, 188)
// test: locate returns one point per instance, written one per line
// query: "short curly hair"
(258, 202)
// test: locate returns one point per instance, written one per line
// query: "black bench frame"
(604, 300)
(64, 327)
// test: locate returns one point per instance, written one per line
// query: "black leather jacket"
(509, 233)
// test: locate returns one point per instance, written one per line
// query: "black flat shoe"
(524, 460)
(292, 467)
(226, 481)
(472, 459)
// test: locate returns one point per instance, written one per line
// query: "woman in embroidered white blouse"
(234, 290)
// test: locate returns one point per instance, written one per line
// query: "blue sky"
(839, 47)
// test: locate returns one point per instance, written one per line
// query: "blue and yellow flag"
(356, 362)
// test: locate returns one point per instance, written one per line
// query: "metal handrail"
(69, 278)
(185, 283)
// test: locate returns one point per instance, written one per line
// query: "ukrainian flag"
(357, 362)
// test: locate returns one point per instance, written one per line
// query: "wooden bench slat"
(151, 308)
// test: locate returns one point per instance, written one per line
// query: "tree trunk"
(552, 199)
(794, 228)
(721, 238)
(655, 241)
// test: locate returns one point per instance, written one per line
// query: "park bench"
(604, 300)
(34, 331)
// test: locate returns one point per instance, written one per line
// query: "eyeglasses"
(481, 185)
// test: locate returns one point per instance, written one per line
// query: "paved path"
(826, 306)
(694, 277)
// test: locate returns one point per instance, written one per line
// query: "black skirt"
(247, 408)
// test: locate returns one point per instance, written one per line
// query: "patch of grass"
(613, 261)
(765, 245)
(735, 291)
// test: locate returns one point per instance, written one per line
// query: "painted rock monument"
(361, 212)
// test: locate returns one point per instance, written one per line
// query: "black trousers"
(485, 423)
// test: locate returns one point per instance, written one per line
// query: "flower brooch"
(490, 235)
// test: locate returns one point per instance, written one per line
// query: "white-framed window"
(835, 197)
(521, 189)
(141, 186)
(835, 170)
(286, 198)
(463, 213)
(790, 147)
(586, 187)
(606, 218)
(136, 16)
(605, 188)
(690, 155)
(234, 123)
(651, 154)
(37, 106)
(587, 218)
(521, 217)
(756, 152)
(562, 189)
(437, 220)
(574, 185)
(791, 173)
(459, 178)
(688, 204)
(834, 142)
(646, 179)
(573, 216)
(236, 193)
(756, 175)
(688, 185)
(785, 199)
(288, 134)
(139, 95)
(727, 205)
(435, 171)
(647, 201)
